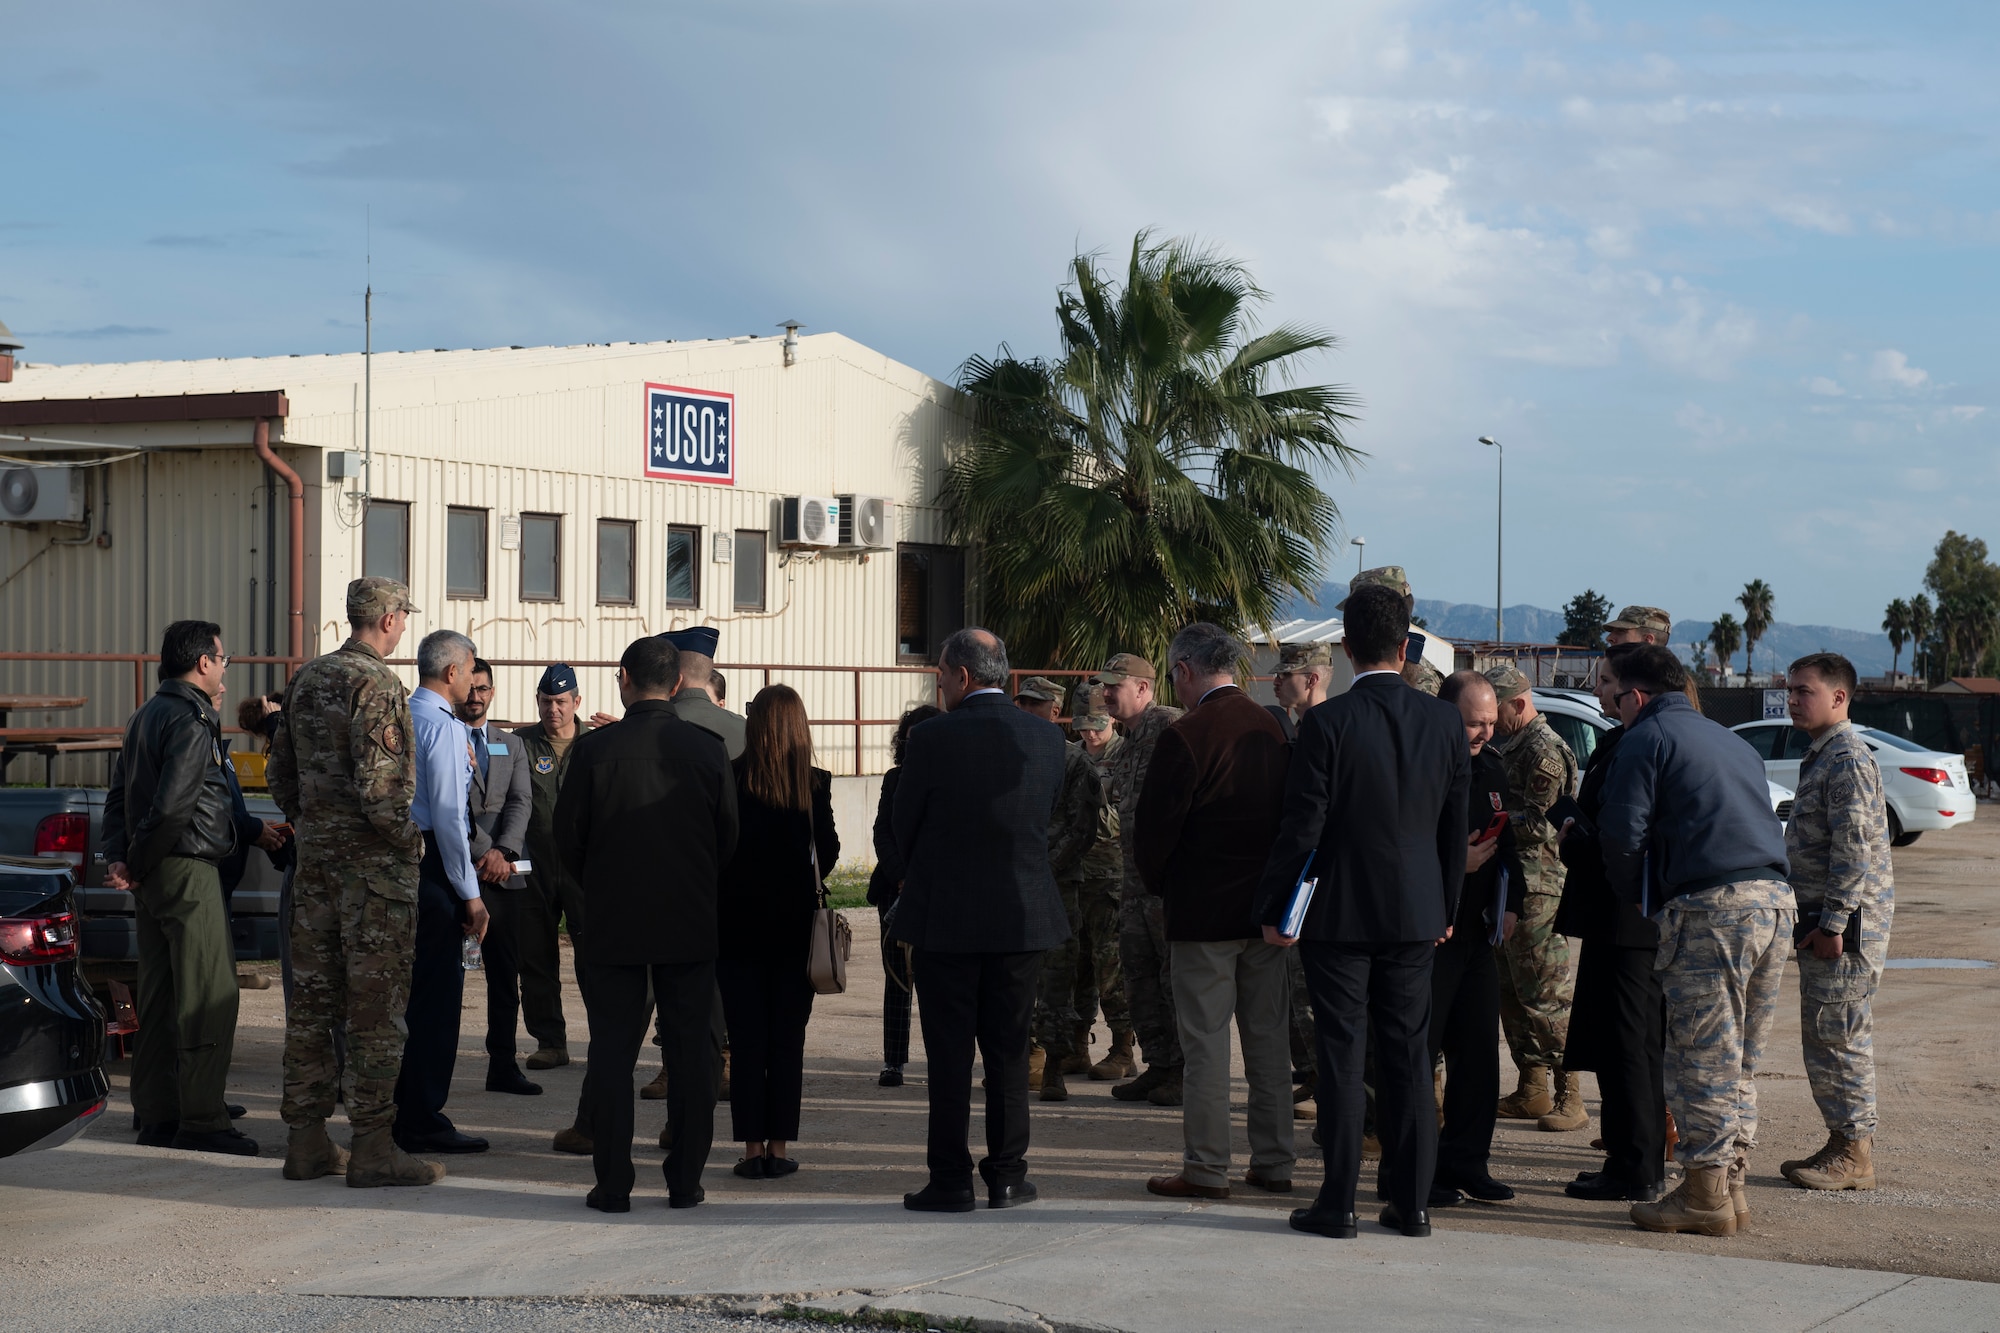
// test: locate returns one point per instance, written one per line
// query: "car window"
(21, 894)
(1766, 741)
(1578, 735)
(1876, 736)
(1797, 743)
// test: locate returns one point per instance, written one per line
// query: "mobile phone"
(282, 830)
(1414, 649)
(1494, 829)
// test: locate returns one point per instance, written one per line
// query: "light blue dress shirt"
(444, 787)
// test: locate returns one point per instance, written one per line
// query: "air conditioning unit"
(41, 495)
(809, 520)
(867, 520)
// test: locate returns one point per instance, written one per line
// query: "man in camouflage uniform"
(1072, 833)
(1639, 624)
(1128, 681)
(1100, 972)
(1417, 671)
(1536, 983)
(1688, 837)
(1838, 844)
(343, 771)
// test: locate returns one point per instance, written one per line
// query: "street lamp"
(1357, 543)
(1499, 528)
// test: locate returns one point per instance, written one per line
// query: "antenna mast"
(368, 368)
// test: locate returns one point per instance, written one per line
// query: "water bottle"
(469, 956)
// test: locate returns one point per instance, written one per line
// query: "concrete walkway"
(1084, 1265)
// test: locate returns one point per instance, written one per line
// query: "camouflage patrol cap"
(1645, 619)
(1391, 577)
(1508, 681)
(1298, 656)
(1090, 721)
(1126, 666)
(374, 597)
(1041, 689)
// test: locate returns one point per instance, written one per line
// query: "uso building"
(551, 502)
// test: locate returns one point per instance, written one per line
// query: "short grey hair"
(1209, 650)
(441, 650)
(980, 652)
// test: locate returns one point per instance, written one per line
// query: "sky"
(1723, 282)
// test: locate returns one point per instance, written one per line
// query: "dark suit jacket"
(502, 804)
(1376, 795)
(645, 821)
(768, 889)
(1208, 814)
(1487, 797)
(885, 881)
(1590, 911)
(973, 806)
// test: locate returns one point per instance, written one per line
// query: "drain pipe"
(295, 636)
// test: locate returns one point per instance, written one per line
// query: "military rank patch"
(545, 763)
(1494, 796)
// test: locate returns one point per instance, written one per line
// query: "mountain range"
(1781, 644)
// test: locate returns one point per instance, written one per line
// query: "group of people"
(1366, 885)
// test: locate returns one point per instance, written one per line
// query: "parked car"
(52, 1082)
(1925, 788)
(1576, 718)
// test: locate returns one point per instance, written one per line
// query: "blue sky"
(1724, 282)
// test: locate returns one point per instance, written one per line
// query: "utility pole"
(1499, 537)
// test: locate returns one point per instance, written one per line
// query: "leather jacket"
(169, 795)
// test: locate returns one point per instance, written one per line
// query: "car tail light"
(1937, 775)
(29, 940)
(65, 836)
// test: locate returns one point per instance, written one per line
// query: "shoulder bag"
(832, 937)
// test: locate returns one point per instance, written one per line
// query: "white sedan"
(1579, 721)
(1925, 789)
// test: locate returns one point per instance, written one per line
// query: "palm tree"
(1923, 623)
(1756, 599)
(1160, 470)
(1896, 624)
(1725, 636)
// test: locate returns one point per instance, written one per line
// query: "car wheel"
(1898, 838)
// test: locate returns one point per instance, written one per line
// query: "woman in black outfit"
(765, 905)
(883, 885)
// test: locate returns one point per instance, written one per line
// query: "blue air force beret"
(558, 679)
(701, 639)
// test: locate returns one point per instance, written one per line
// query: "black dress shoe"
(936, 1199)
(1337, 1226)
(1012, 1196)
(1484, 1188)
(603, 1204)
(687, 1200)
(447, 1141)
(1605, 1187)
(236, 1112)
(232, 1141)
(890, 1077)
(1420, 1225)
(779, 1166)
(509, 1078)
(160, 1135)
(750, 1168)
(1444, 1196)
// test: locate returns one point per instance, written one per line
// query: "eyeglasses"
(1621, 696)
(222, 658)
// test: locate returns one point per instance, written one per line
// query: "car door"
(1768, 740)
(1785, 771)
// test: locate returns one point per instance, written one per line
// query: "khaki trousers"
(1214, 981)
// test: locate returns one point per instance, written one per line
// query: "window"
(465, 553)
(1580, 736)
(541, 557)
(749, 564)
(1798, 742)
(385, 541)
(930, 599)
(1768, 742)
(616, 539)
(683, 568)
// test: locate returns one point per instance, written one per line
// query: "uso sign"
(690, 435)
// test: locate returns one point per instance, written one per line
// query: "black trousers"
(437, 994)
(988, 1000)
(768, 1005)
(1385, 988)
(542, 909)
(1626, 1036)
(500, 955)
(1465, 1026)
(616, 998)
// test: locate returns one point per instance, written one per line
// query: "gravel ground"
(340, 1314)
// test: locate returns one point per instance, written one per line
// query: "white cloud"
(1824, 387)
(1893, 367)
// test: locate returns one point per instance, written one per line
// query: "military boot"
(1833, 1144)
(1850, 1166)
(1078, 1059)
(1117, 1062)
(1141, 1087)
(1168, 1091)
(1700, 1204)
(1054, 1089)
(1739, 1198)
(310, 1154)
(1568, 1112)
(1038, 1060)
(1530, 1100)
(378, 1161)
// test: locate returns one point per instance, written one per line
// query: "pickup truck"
(68, 822)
